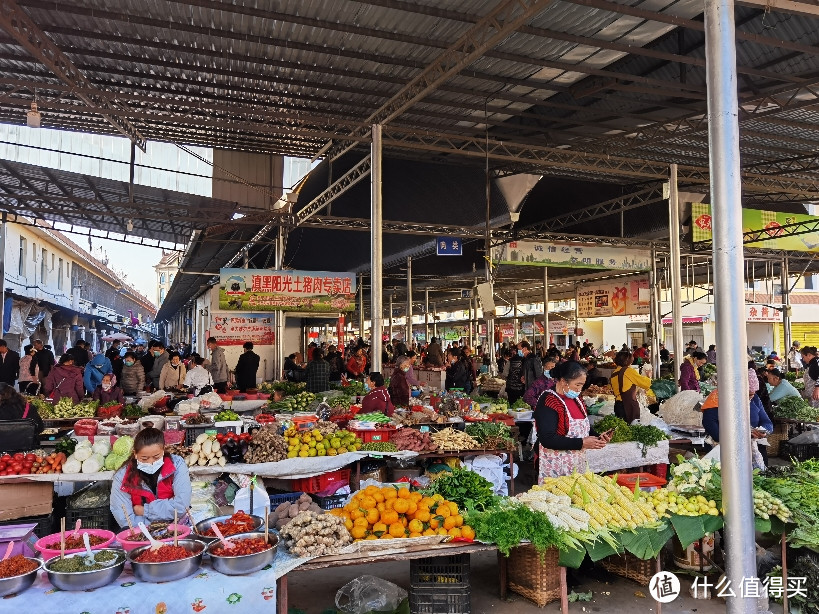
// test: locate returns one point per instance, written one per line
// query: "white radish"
(202, 438)
(197, 447)
(202, 461)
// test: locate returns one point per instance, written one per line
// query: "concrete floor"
(314, 591)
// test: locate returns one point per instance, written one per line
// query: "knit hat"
(753, 382)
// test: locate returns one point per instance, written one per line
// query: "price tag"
(425, 429)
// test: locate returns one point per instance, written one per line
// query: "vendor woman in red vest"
(151, 484)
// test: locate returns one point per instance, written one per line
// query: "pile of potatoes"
(285, 512)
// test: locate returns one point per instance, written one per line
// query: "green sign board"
(753, 220)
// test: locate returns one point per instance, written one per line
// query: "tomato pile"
(165, 554)
(22, 464)
(16, 566)
(238, 523)
(242, 547)
(223, 438)
(73, 543)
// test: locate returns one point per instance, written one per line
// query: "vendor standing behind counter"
(152, 484)
(563, 429)
(13, 406)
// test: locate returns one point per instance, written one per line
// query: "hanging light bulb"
(129, 226)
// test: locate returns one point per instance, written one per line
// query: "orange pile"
(392, 513)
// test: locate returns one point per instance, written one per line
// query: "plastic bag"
(369, 594)
(241, 502)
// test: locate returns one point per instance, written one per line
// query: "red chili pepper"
(165, 554)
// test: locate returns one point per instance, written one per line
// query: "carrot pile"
(53, 463)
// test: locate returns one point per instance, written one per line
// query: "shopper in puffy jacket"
(133, 375)
(64, 380)
(541, 384)
(94, 371)
(160, 360)
(173, 373)
(399, 386)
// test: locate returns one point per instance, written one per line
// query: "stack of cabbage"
(88, 458)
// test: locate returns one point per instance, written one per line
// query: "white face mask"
(151, 468)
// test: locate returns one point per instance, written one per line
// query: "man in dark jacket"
(79, 353)
(113, 351)
(44, 359)
(435, 356)
(318, 372)
(246, 368)
(9, 364)
(532, 367)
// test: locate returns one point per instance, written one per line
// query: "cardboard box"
(25, 499)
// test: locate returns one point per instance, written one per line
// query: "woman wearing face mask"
(543, 383)
(133, 375)
(378, 398)
(399, 386)
(108, 390)
(457, 373)
(563, 429)
(152, 484)
(173, 373)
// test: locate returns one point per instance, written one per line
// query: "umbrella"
(116, 337)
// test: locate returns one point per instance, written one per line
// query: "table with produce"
(622, 520)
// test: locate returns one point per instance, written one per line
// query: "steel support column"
(389, 325)
(676, 282)
(3, 236)
(361, 306)
(280, 316)
(545, 308)
(786, 309)
(434, 322)
(729, 299)
(408, 334)
(426, 316)
(376, 256)
(656, 325)
(515, 319)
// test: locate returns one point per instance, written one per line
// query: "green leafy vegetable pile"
(618, 426)
(466, 488)
(509, 524)
(482, 431)
(648, 436)
(803, 567)
(798, 488)
(664, 388)
(521, 404)
(796, 408)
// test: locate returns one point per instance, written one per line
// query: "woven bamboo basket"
(629, 566)
(532, 576)
(775, 439)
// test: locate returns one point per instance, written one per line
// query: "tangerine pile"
(394, 513)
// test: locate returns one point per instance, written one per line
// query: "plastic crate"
(800, 451)
(321, 483)
(330, 503)
(447, 571)
(377, 435)
(285, 497)
(92, 518)
(192, 432)
(44, 524)
(647, 481)
(441, 599)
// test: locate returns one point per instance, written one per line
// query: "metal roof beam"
(785, 6)
(336, 189)
(493, 28)
(575, 160)
(16, 22)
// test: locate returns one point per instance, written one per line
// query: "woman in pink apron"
(562, 423)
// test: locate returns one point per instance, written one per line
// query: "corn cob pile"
(558, 508)
(608, 504)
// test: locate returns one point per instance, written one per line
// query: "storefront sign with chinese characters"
(631, 296)
(600, 257)
(267, 290)
(762, 313)
(236, 328)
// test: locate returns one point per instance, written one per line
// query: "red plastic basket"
(321, 483)
(647, 481)
(373, 434)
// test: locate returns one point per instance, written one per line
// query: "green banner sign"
(770, 223)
